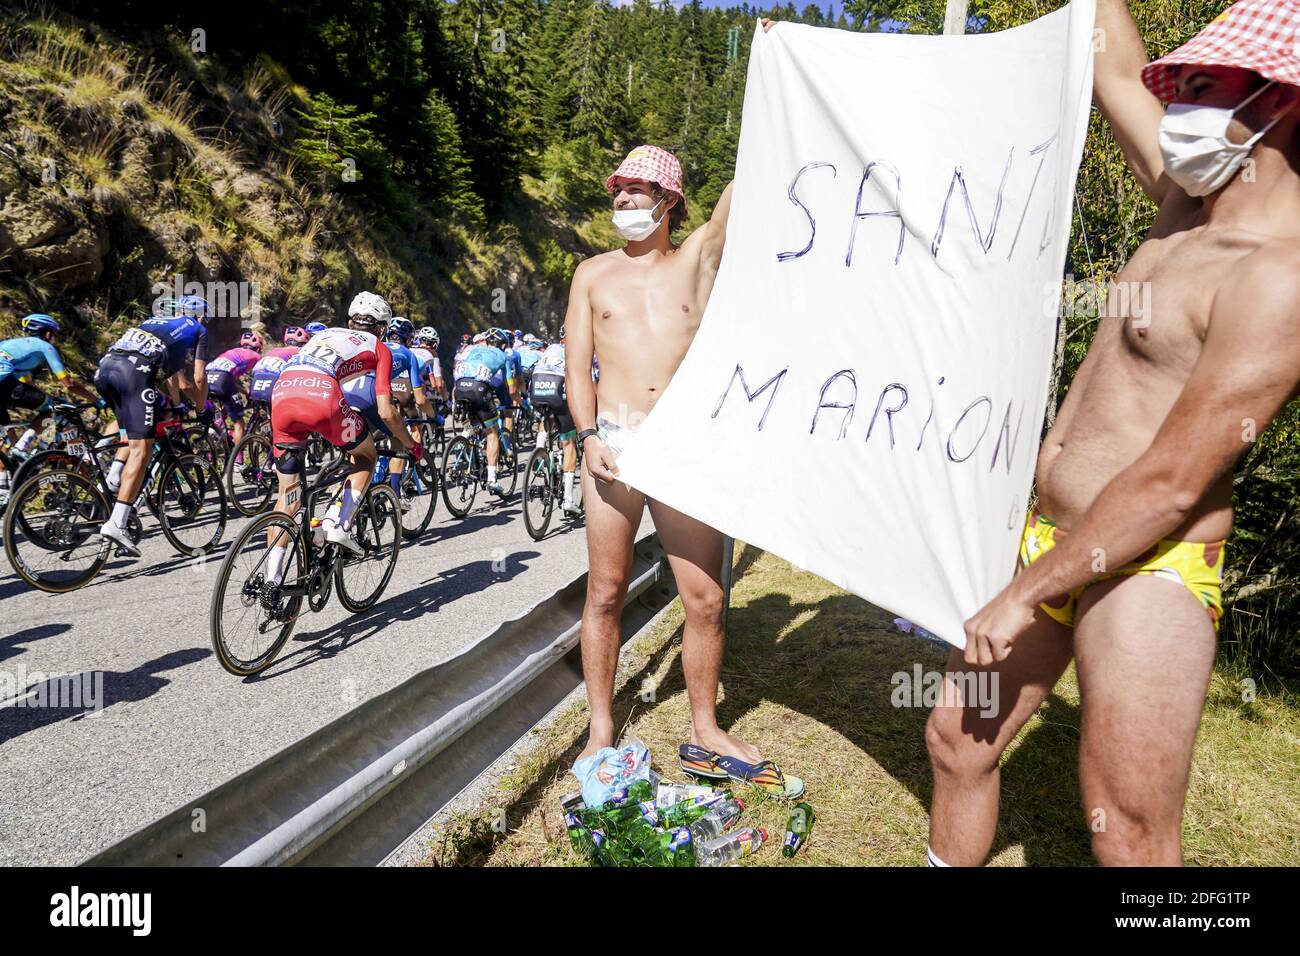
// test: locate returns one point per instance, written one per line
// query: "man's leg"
(695, 555)
(965, 747)
(1145, 650)
(613, 514)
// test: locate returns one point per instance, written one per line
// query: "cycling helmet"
(465, 337)
(479, 338)
(165, 308)
(400, 328)
(369, 304)
(314, 327)
(194, 306)
(427, 336)
(295, 335)
(39, 322)
(498, 337)
(252, 340)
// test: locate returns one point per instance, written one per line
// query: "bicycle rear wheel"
(192, 505)
(51, 531)
(539, 493)
(507, 469)
(377, 524)
(419, 490)
(459, 480)
(251, 618)
(250, 475)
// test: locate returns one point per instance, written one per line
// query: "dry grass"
(807, 679)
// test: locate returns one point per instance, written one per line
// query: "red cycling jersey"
(346, 355)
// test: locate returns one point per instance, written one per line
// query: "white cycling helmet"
(427, 335)
(367, 303)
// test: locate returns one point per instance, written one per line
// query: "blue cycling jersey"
(405, 365)
(25, 355)
(486, 363)
(529, 358)
(166, 342)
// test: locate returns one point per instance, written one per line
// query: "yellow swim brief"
(1196, 565)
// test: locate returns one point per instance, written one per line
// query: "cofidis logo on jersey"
(103, 909)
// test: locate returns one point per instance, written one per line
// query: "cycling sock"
(275, 563)
(541, 439)
(492, 473)
(395, 482)
(340, 511)
(568, 487)
(4, 480)
(121, 514)
(115, 475)
(29, 436)
(932, 860)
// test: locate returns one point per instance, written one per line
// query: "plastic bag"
(611, 769)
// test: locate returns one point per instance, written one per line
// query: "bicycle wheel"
(51, 531)
(539, 493)
(191, 505)
(52, 459)
(376, 522)
(251, 618)
(507, 469)
(250, 475)
(419, 491)
(200, 441)
(459, 480)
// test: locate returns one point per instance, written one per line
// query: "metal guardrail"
(352, 792)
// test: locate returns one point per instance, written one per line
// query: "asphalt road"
(170, 724)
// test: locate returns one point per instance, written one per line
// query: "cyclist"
(426, 350)
(407, 389)
(310, 398)
(509, 392)
(547, 391)
(167, 351)
(225, 375)
(268, 368)
(480, 379)
(19, 359)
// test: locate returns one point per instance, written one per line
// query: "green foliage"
(335, 140)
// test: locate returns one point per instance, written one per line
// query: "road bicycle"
(253, 613)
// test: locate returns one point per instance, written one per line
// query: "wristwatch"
(585, 434)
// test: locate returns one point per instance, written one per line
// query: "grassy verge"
(807, 679)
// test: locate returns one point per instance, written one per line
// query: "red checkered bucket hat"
(1258, 35)
(654, 164)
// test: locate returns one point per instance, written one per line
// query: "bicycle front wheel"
(192, 505)
(419, 490)
(539, 493)
(250, 617)
(51, 531)
(459, 481)
(377, 524)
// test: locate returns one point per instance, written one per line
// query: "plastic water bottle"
(729, 848)
(670, 793)
(715, 823)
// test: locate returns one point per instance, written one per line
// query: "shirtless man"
(1138, 465)
(639, 307)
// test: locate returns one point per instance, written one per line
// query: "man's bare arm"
(1130, 108)
(713, 234)
(1249, 368)
(579, 349)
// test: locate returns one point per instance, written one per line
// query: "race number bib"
(141, 343)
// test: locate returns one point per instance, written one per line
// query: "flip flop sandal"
(700, 762)
(765, 775)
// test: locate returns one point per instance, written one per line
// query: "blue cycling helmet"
(498, 335)
(194, 306)
(38, 322)
(400, 328)
(314, 327)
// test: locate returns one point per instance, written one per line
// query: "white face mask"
(636, 224)
(1194, 142)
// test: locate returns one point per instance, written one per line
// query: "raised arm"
(1130, 108)
(714, 232)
